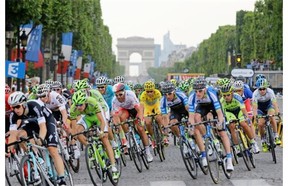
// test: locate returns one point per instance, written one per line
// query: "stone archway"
(143, 46)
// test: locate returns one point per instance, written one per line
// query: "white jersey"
(269, 96)
(130, 101)
(57, 102)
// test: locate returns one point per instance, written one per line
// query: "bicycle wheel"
(234, 156)
(93, 165)
(135, 154)
(223, 161)
(212, 160)
(272, 145)
(27, 173)
(11, 172)
(188, 159)
(121, 149)
(242, 144)
(7, 177)
(110, 174)
(74, 163)
(158, 140)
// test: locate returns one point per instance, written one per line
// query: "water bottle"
(217, 144)
(137, 138)
(42, 163)
(192, 144)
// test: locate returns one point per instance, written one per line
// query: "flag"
(86, 70)
(15, 69)
(67, 50)
(40, 61)
(34, 43)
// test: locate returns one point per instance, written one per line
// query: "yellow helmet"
(149, 85)
(174, 81)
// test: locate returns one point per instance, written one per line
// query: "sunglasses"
(149, 91)
(16, 107)
(261, 89)
(226, 95)
(43, 96)
(56, 89)
(79, 105)
(201, 90)
(119, 95)
(100, 87)
(168, 94)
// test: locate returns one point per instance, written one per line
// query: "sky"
(189, 21)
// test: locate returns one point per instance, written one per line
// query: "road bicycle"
(136, 149)
(40, 162)
(97, 160)
(244, 145)
(214, 151)
(269, 135)
(158, 137)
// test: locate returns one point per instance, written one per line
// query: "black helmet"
(168, 87)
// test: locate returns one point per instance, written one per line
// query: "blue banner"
(73, 59)
(91, 68)
(67, 38)
(15, 69)
(33, 46)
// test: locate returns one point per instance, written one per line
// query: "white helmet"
(101, 80)
(238, 85)
(119, 79)
(42, 90)
(16, 98)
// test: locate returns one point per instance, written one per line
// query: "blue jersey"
(108, 95)
(247, 92)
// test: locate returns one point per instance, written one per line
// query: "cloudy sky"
(189, 21)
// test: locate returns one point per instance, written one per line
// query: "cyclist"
(203, 102)
(184, 87)
(45, 126)
(150, 100)
(234, 108)
(121, 79)
(138, 89)
(125, 104)
(57, 87)
(177, 102)
(105, 90)
(264, 102)
(91, 113)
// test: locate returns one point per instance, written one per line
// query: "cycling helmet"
(226, 88)
(101, 80)
(7, 89)
(119, 79)
(260, 76)
(49, 82)
(199, 83)
(35, 89)
(118, 87)
(42, 90)
(168, 87)
(17, 98)
(109, 81)
(138, 86)
(174, 81)
(183, 86)
(82, 84)
(149, 85)
(190, 81)
(238, 85)
(262, 83)
(56, 84)
(79, 97)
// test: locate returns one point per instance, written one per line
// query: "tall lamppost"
(23, 39)
(61, 60)
(9, 44)
(47, 56)
(54, 65)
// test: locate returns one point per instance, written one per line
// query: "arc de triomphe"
(143, 46)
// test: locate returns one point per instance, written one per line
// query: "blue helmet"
(262, 83)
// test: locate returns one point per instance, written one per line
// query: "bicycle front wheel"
(243, 150)
(93, 165)
(188, 159)
(272, 145)
(212, 160)
(135, 154)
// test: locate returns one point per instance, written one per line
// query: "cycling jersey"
(36, 109)
(151, 104)
(264, 103)
(130, 102)
(89, 115)
(180, 101)
(108, 96)
(234, 107)
(101, 101)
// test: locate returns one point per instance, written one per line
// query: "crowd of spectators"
(260, 65)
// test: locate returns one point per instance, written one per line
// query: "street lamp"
(9, 45)
(23, 39)
(47, 56)
(55, 60)
(61, 60)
